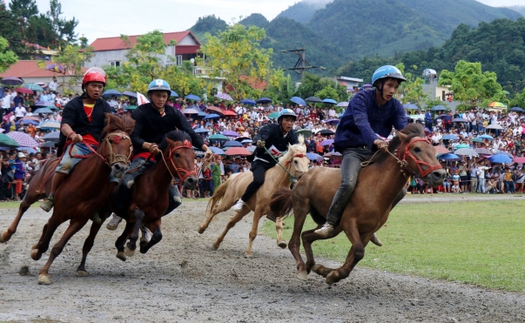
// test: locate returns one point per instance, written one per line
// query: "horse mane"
(411, 130)
(114, 123)
(297, 148)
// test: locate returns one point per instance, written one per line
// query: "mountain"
(255, 19)
(519, 9)
(304, 10)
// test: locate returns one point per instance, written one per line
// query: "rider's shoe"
(47, 205)
(113, 224)
(238, 206)
(375, 240)
(326, 230)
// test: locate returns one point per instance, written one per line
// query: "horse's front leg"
(90, 240)
(295, 243)
(308, 238)
(356, 253)
(121, 241)
(257, 214)
(279, 229)
(236, 218)
(155, 238)
(132, 243)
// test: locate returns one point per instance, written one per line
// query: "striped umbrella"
(23, 139)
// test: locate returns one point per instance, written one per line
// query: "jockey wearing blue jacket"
(368, 119)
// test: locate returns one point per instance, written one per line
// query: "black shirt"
(274, 136)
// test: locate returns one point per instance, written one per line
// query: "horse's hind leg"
(6, 235)
(88, 244)
(279, 229)
(216, 210)
(253, 233)
(47, 233)
(300, 211)
(155, 238)
(132, 244)
(236, 218)
(121, 240)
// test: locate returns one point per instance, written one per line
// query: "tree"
(411, 91)
(63, 29)
(236, 55)
(7, 57)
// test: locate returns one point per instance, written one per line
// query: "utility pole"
(302, 64)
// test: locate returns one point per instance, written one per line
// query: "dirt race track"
(183, 280)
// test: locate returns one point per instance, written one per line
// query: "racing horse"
(380, 186)
(86, 191)
(294, 162)
(149, 194)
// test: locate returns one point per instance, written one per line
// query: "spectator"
(53, 85)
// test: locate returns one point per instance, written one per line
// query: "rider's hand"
(261, 143)
(381, 144)
(154, 149)
(76, 138)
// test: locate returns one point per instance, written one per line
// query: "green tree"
(7, 57)
(315, 85)
(411, 91)
(236, 55)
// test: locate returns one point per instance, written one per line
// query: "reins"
(113, 158)
(292, 178)
(185, 145)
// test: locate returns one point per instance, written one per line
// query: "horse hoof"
(4, 237)
(44, 280)
(35, 254)
(128, 252)
(201, 230)
(82, 273)
(282, 244)
(315, 268)
(215, 246)
(302, 275)
(248, 255)
(121, 256)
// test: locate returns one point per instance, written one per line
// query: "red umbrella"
(519, 160)
(441, 149)
(238, 151)
(24, 90)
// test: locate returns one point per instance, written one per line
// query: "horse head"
(417, 156)
(116, 147)
(179, 157)
(296, 159)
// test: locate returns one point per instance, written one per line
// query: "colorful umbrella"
(223, 96)
(23, 139)
(238, 151)
(33, 86)
(496, 105)
(6, 141)
(313, 99)
(11, 80)
(24, 90)
(230, 133)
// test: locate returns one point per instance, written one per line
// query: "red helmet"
(94, 74)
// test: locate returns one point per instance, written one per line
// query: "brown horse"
(86, 190)
(150, 197)
(294, 162)
(378, 189)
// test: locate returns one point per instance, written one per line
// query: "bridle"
(402, 160)
(186, 144)
(113, 158)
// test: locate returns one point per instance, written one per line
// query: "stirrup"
(325, 231)
(238, 206)
(47, 205)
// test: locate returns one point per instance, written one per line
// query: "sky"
(111, 18)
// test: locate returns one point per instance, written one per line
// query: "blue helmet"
(159, 85)
(387, 71)
(286, 113)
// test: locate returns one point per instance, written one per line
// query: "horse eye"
(177, 155)
(417, 150)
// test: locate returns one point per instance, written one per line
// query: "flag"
(141, 99)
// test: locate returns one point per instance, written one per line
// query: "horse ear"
(401, 135)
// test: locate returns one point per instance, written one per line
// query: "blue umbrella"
(27, 122)
(130, 94)
(217, 150)
(212, 116)
(111, 93)
(450, 137)
(500, 159)
(410, 106)
(489, 137)
(330, 101)
(438, 108)
(232, 143)
(174, 94)
(297, 100)
(42, 110)
(28, 150)
(314, 156)
(449, 156)
(248, 101)
(517, 109)
(264, 100)
(52, 136)
(201, 130)
(193, 97)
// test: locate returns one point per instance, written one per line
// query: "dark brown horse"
(86, 190)
(149, 200)
(378, 189)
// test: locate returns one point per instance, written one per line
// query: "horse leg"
(216, 210)
(295, 241)
(43, 243)
(6, 235)
(236, 218)
(279, 228)
(132, 243)
(121, 240)
(74, 227)
(155, 238)
(88, 244)
(257, 214)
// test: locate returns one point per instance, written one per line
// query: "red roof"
(115, 43)
(29, 68)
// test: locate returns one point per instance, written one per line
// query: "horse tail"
(281, 204)
(217, 196)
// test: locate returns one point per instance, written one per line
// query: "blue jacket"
(364, 121)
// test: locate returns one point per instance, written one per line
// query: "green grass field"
(472, 242)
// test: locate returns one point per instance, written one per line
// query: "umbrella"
(333, 154)
(238, 151)
(466, 152)
(297, 100)
(304, 132)
(201, 130)
(51, 124)
(500, 159)
(33, 86)
(131, 107)
(314, 156)
(190, 111)
(212, 116)
(519, 160)
(193, 97)
(174, 94)
(517, 109)
(494, 126)
(48, 144)
(217, 150)
(43, 110)
(111, 93)
(232, 143)
(24, 90)
(218, 137)
(438, 108)
(27, 122)
(242, 139)
(6, 141)
(489, 137)
(332, 121)
(12, 80)
(52, 136)
(449, 156)
(504, 153)
(44, 103)
(462, 146)
(450, 137)
(330, 101)
(130, 94)
(326, 132)
(441, 150)
(273, 115)
(410, 106)
(247, 141)
(23, 139)
(230, 133)
(264, 100)
(313, 99)
(223, 96)
(483, 151)
(55, 67)
(229, 113)
(251, 148)
(496, 104)
(327, 142)
(477, 139)
(28, 150)
(459, 120)
(342, 104)
(248, 101)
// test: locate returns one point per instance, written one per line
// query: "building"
(31, 72)
(349, 82)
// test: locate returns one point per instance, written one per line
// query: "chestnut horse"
(294, 162)
(149, 200)
(86, 190)
(380, 185)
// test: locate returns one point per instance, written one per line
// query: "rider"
(368, 119)
(83, 120)
(275, 137)
(153, 121)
